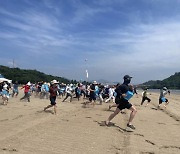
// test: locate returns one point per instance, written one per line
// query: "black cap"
(127, 77)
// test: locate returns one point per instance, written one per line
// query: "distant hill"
(172, 82)
(23, 75)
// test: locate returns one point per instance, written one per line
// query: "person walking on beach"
(124, 93)
(162, 97)
(26, 91)
(53, 93)
(144, 97)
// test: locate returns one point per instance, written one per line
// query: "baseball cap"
(127, 77)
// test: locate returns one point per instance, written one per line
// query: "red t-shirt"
(53, 91)
(26, 88)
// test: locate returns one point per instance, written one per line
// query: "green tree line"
(172, 82)
(34, 76)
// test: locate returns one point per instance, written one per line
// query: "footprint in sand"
(20, 116)
(139, 135)
(10, 150)
(88, 117)
(161, 123)
(65, 120)
(4, 120)
(170, 146)
(153, 108)
(150, 142)
(147, 152)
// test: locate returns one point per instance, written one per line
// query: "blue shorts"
(163, 99)
(15, 91)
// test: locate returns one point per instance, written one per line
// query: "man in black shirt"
(124, 93)
(92, 95)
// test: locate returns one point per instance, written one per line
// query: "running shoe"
(131, 126)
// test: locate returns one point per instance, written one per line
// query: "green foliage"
(23, 76)
(173, 82)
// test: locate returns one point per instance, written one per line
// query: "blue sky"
(117, 37)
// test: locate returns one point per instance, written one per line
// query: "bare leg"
(48, 107)
(166, 104)
(55, 111)
(113, 115)
(114, 105)
(132, 115)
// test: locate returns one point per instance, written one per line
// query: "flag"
(87, 73)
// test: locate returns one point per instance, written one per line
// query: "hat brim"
(55, 82)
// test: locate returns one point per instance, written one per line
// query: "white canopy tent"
(2, 79)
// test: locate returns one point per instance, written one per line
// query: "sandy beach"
(25, 128)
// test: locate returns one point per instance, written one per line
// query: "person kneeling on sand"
(53, 93)
(124, 93)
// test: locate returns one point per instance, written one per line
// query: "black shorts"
(123, 104)
(117, 100)
(92, 97)
(53, 100)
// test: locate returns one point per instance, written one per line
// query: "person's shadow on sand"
(49, 111)
(111, 124)
(46, 111)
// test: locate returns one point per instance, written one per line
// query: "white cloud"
(146, 50)
(155, 48)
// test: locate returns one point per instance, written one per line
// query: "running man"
(124, 93)
(53, 93)
(26, 91)
(68, 92)
(144, 97)
(92, 96)
(15, 89)
(162, 97)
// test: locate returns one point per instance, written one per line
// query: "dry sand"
(26, 128)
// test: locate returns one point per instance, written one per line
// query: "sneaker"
(131, 126)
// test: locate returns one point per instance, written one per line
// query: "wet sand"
(25, 128)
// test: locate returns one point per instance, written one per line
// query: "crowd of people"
(119, 94)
